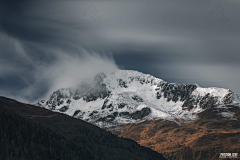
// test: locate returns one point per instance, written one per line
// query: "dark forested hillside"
(23, 139)
(30, 132)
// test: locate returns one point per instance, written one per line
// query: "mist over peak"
(39, 75)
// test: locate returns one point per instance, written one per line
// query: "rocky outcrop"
(175, 92)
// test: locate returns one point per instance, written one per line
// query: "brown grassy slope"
(204, 138)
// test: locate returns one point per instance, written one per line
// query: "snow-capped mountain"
(127, 96)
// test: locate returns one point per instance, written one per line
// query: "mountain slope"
(212, 133)
(126, 97)
(22, 139)
(181, 121)
(75, 136)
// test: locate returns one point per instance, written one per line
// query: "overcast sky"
(47, 45)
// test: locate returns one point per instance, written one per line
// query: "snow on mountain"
(127, 96)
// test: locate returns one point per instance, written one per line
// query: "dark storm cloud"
(177, 40)
(185, 41)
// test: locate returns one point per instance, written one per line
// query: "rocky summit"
(127, 97)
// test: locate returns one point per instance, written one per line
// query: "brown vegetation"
(204, 138)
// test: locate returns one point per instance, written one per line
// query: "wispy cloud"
(40, 76)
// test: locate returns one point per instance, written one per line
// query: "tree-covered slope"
(22, 139)
(30, 132)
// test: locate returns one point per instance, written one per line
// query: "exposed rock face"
(129, 96)
(58, 98)
(175, 92)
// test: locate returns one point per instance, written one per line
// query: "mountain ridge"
(127, 96)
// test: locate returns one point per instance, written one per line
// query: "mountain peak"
(127, 96)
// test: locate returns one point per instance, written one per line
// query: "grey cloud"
(38, 78)
(177, 40)
(42, 54)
